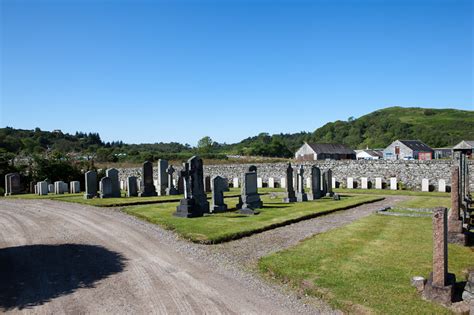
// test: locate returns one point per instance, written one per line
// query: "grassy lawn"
(227, 226)
(367, 266)
(392, 192)
(425, 202)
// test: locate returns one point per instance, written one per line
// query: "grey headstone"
(162, 177)
(91, 185)
(327, 183)
(50, 188)
(170, 190)
(194, 203)
(218, 188)
(132, 190)
(106, 187)
(315, 191)
(112, 173)
(42, 188)
(58, 188)
(300, 194)
(290, 192)
(147, 188)
(250, 199)
(12, 184)
(75, 187)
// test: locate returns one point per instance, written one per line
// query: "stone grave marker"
(425, 184)
(300, 194)
(75, 187)
(393, 183)
(441, 185)
(283, 182)
(91, 185)
(112, 173)
(235, 182)
(350, 183)
(271, 182)
(259, 182)
(315, 191)
(106, 188)
(42, 188)
(218, 188)
(171, 190)
(378, 183)
(58, 188)
(250, 199)
(162, 177)
(12, 184)
(327, 180)
(364, 183)
(194, 203)
(288, 184)
(147, 189)
(132, 188)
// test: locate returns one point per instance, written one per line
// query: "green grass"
(425, 202)
(367, 266)
(124, 201)
(392, 192)
(231, 225)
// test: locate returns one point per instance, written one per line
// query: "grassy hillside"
(436, 127)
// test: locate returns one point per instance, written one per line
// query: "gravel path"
(68, 258)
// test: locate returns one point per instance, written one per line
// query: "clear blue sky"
(151, 71)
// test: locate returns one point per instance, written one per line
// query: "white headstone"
(364, 183)
(283, 182)
(333, 182)
(271, 182)
(393, 183)
(308, 182)
(442, 185)
(259, 182)
(378, 183)
(425, 184)
(122, 185)
(235, 182)
(350, 183)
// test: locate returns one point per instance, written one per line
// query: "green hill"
(435, 127)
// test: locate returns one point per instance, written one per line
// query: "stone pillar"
(455, 230)
(440, 284)
(440, 247)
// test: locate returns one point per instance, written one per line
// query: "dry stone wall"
(409, 173)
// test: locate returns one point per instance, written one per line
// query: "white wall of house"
(362, 155)
(305, 150)
(389, 153)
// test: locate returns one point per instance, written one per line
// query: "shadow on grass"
(35, 274)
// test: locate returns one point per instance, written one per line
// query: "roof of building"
(464, 145)
(373, 153)
(416, 145)
(331, 148)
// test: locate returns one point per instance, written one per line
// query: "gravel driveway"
(60, 257)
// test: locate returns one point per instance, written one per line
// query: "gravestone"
(283, 182)
(378, 183)
(300, 194)
(50, 188)
(441, 185)
(12, 184)
(207, 184)
(327, 180)
(439, 286)
(235, 182)
(218, 188)
(75, 187)
(393, 183)
(106, 188)
(364, 183)
(112, 173)
(315, 191)
(36, 189)
(271, 182)
(42, 188)
(162, 177)
(350, 183)
(308, 183)
(180, 184)
(91, 185)
(194, 203)
(333, 183)
(259, 182)
(147, 189)
(132, 188)
(288, 184)
(170, 190)
(250, 199)
(31, 188)
(425, 184)
(58, 188)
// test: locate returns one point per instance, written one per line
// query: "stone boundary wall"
(409, 173)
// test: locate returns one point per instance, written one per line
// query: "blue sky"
(152, 71)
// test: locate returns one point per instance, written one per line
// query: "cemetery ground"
(353, 259)
(366, 266)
